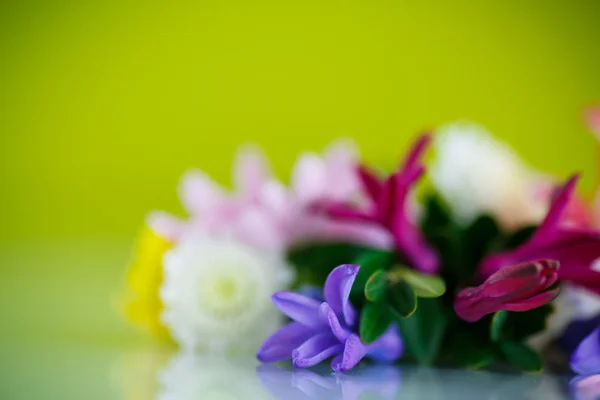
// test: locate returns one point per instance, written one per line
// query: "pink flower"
(263, 212)
(389, 208)
(577, 249)
(519, 287)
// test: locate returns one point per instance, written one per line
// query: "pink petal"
(251, 170)
(417, 151)
(533, 302)
(592, 117)
(371, 183)
(309, 178)
(167, 226)
(199, 193)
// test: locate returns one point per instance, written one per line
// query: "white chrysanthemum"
(476, 174)
(216, 293)
(189, 376)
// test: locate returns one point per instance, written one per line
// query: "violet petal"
(337, 329)
(388, 347)
(354, 351)
(337, 292)
(299, 308)
(280, 345)
(586, 358)
(316, 349)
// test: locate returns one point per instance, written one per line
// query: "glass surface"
(61, 337)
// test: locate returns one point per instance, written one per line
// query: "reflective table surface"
(61, 337)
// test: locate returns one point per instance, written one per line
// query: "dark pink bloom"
(519, 287)
(389, 207)
(577, 249)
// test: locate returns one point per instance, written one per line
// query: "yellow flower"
(143, 305)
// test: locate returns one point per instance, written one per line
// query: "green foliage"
(376, 286)
(497, 325)
(401, 298)
(370, 261)
(423, 331)
(315, 261)
(374, 321)
(522, 356)
(422, 284)
(518, 326)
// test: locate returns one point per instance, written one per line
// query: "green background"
(104, 105)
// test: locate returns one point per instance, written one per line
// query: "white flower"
(476, 174)
(216, 293)
(190, 376)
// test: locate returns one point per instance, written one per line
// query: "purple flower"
(520, 287)
(577, 250)
(585, 360)
(323, 330)
(390, 209)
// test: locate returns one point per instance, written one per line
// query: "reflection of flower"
(190, 376)
(476, 174)
(389, 208)
(519, 287)
(143, 304)
(383, 381)
(216, 293)
(576, 249)
(323, 330)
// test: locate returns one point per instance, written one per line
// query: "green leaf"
(370, 261)
(375, 318)
(315, 261)
(525, 324)
(423, 285)
(376, 285)
(522, 356)
(423, 332)
(497, 325)
(401, 298)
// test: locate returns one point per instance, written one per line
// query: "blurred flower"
(476, 174)
(577, 250)
(207, 377)
(216, 293)
(586, 358)
(585, 361)
(143, 305)
(519, 287)
(263, 212)
(323, 330)
(389, 208)
(382, 380)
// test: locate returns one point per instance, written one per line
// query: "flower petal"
(251, 170)
(309, 178)
(280, 345)
(316, 349)
(334, 323)
(337, 291)
(300, 308)
(388, 347)
(586, 359)
(354, 351)
(166, 225)
(199, 193)
(370, 182)
(532, 302)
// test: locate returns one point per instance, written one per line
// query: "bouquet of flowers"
(347, 262)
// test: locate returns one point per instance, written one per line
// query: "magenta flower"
(519, 287)
(390, 208)
(323, 330)
(577, 249)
